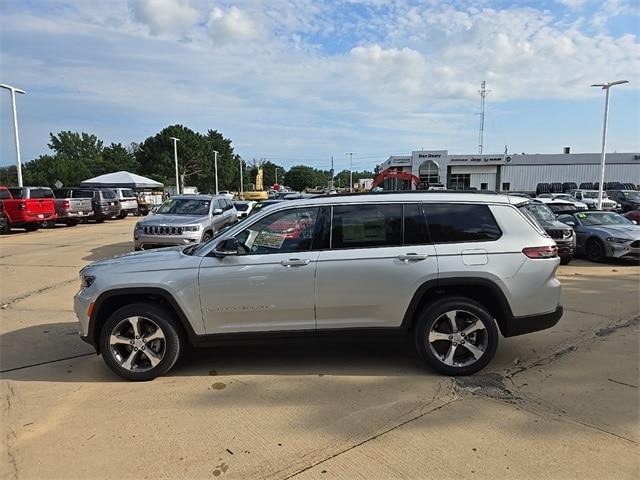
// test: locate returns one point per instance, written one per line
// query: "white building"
(504, 172)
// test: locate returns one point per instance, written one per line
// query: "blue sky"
(297, 81)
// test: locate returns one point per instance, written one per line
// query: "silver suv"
(451, 269)
(184, 220)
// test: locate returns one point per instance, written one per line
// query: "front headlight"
(86, 280)
(618, 240)
(138, 227)
(191, 228)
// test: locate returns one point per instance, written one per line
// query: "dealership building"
(509, 172)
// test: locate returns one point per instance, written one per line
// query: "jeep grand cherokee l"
(453, 269)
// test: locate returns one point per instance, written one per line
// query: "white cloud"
(232, 24)
(164, 16)
(572, 3)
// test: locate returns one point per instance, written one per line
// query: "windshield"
(81, 194)
(541, 212)
(603, 218)
(594, 194)
(241, 207)
(184, 206)
(127, 193)
(564, 196)
(632, 196)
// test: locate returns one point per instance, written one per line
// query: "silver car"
(184, 220)
(451, 269)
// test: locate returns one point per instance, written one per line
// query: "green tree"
(300, 177)
(342, 178)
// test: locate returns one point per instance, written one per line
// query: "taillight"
(65, 205)
(541, 252)
(22, 205)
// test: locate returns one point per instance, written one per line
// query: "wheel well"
(485, 293)
(113, 302)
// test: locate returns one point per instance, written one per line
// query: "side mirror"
(570, 223)
(217, 211)
(226, 247)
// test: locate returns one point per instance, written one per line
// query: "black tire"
(432, 317)
(172, 344)
(566, 259)
(32, 227)
(122, 215)
(72, 223)
(206, 237)
(594, 250)
(100, 220)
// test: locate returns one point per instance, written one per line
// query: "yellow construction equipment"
(259, 193)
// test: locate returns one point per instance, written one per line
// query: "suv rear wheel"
(140, 342)
(456, 336)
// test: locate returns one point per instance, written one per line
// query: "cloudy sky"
(297, 81)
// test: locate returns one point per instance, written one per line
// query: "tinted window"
(4, 194)
(127, 193)
(110, 194)
(184, 206)
(461, 223)
(40, 193)
(285, 231)
(415, 227)
(16, 192)
(81, 194)
(362, 226)
(61, 193)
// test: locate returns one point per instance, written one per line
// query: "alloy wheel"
(138, 344)
(458, 338)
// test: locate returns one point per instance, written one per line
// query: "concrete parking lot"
(562, 403)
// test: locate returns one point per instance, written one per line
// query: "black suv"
(628, 199)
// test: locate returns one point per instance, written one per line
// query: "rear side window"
(110, 194)
(415, 227)
(40, 193)
(363, 226)
(16, 192)
(4, 194)
(82, 194)
(127, 193)
(450, 223)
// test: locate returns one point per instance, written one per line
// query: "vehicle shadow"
(106, 251)
(55, 353)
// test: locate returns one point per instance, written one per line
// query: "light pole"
(215, 166)
(350, 171)
(241, 180)
(606, 87)
(276, 169)
(13, 91)
(175, 157)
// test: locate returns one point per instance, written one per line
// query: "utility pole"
(350, 171)
(276, 169)
(241, 180)
(483, 93)
(215, 166)
(175, 157)
(332, 174)
(13, 91)
(605, 87)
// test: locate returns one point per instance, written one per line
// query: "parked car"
(633, 215)
(105, 204)
(244, 208)
(451, 269)
(184, 220)
(627, 199)
(28, 207)
(562, 234)
(265, 203)
(548, 197)
(4, 223)
(73, 205)
(227, 194)
(128, 202)
(601, 235)
(590, 198)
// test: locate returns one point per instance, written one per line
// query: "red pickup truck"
(28, 207)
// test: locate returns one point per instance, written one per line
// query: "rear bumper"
(531, 323)
(28, 217)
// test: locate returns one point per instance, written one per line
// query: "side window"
(228, 204)
(362, 226)
(415, 226)
(216, 205)
(4, 194)
(285, 231)
(450, 223)
(16, 192)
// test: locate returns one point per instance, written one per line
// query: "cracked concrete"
(556, 404)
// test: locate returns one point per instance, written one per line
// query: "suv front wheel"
(456, 336)
(140, 342)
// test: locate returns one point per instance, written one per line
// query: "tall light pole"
(276, 169)
(13, 91)
(241, 180)
(215, 166)
(350, 171)
(175, 157)
(606, 87)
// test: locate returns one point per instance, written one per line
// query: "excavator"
(390, 173)
(259, 192)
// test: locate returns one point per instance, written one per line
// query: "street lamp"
(175, 157)
(13, 91)
(241, 180)
(350, 171)
(215, 166)
(606, 87)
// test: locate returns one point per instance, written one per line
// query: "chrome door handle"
(407, 257)
(294, 262)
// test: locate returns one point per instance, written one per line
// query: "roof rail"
(406, 192)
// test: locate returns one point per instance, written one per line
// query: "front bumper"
(566, 249)
(143, 241)
(622, 250)
(82, 301)
(531, 323)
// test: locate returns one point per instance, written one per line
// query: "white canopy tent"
(121, 179)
